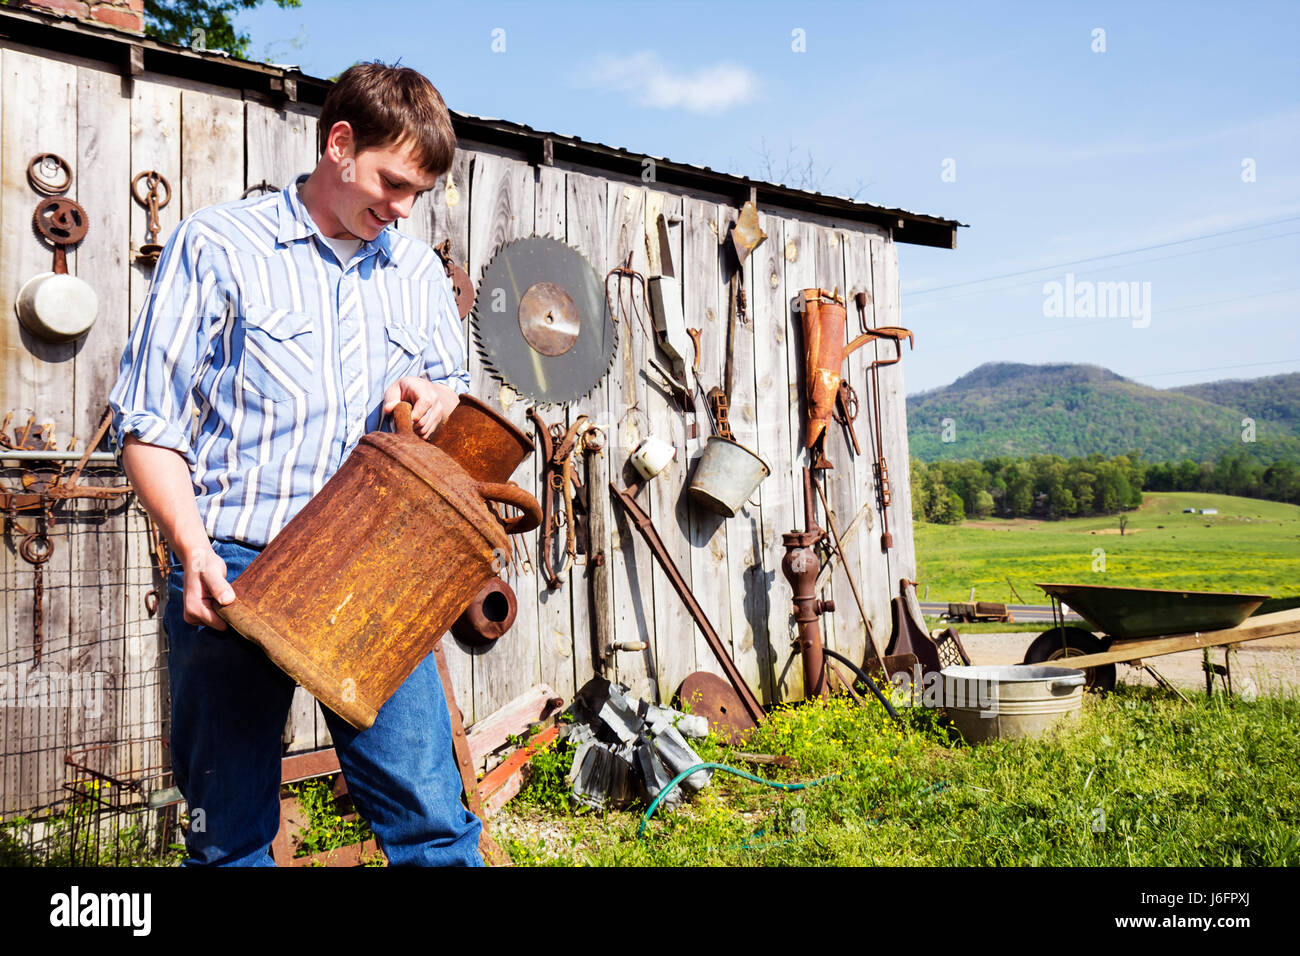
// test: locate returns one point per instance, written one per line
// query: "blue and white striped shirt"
(263, 360)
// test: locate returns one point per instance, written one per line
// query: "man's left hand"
(430, 403)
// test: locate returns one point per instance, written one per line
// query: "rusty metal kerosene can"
(353, 593)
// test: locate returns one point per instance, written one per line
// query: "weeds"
(1140, 779)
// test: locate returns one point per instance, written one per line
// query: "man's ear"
(339, 144)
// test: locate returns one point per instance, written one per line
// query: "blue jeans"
(229, 705)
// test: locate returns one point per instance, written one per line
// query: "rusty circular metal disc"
(548, 318)
(712, 697)
(61, 220)
(463, 286)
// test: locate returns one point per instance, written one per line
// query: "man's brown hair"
(387, 105)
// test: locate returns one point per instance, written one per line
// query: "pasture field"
(1250, 546)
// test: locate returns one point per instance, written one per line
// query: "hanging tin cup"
(725, 475)
(354, 592)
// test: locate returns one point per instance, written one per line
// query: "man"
(279, 330)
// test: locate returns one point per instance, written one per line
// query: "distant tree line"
(1048, 486)
(1237, 472)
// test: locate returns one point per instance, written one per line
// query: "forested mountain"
(1005, 409)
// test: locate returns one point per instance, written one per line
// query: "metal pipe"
(23, 454)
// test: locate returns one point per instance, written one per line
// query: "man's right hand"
(205, 588)
(161, 479)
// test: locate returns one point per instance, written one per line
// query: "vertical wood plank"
(503, 209)
(800, 274)
(40, 96)
(902, 557)
(212, 148)
(585, 230)
(841, 630)
(769, 306)
(680, 648)
(555, 608)
(279, 144)
(873, 578)
(631, 571)
(98, 545)
(748, 584)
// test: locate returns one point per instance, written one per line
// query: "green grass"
(1140, 780)
(1251, 545)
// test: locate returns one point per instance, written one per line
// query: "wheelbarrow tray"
(1129, 613)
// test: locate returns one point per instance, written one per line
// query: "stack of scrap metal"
(629, 750)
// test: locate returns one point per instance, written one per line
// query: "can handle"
(402, 419)
(508, 493)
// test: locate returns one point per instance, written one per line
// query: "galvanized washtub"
(1010, 701)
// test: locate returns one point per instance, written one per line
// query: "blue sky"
(1181, 139)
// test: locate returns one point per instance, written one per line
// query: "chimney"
(120, 14)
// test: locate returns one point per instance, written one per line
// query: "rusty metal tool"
(800, 567)
(43, 172)
(665, 298)
(462, 286)
(152, 179)
(846, 412)
(558, 448)
(743, 238)
(853, 585)
(879, 467)
(647, 529)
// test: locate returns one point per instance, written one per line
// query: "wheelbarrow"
(1140, 623)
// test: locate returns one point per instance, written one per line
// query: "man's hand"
(161, 479)
(430, 403)
(205, 587)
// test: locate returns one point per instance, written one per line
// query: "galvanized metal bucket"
(1010, 701)
(726, 475)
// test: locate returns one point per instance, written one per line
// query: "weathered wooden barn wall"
(212, 142)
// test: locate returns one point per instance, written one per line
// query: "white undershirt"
(343, 248)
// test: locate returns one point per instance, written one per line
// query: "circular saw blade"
(503, 337)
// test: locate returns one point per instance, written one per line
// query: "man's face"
(377, 187)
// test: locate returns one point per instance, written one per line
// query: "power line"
(1108, 319)
(1215, 368)
(1109, 255)
(1122, 265)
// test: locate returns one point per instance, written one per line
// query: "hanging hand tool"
(744, 237)
(462, 286)
(152, 179)
(558, 448)
(880, 469)
(666, 304)
(846, 412)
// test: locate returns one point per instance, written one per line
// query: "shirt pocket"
(279, 353)
(406, 344)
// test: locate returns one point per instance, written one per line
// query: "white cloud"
(653, 83)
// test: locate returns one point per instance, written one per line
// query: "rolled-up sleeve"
(445, 356)
(153, 397)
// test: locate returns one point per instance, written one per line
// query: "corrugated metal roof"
(282, 82)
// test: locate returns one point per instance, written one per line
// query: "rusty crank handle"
(511, 494)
